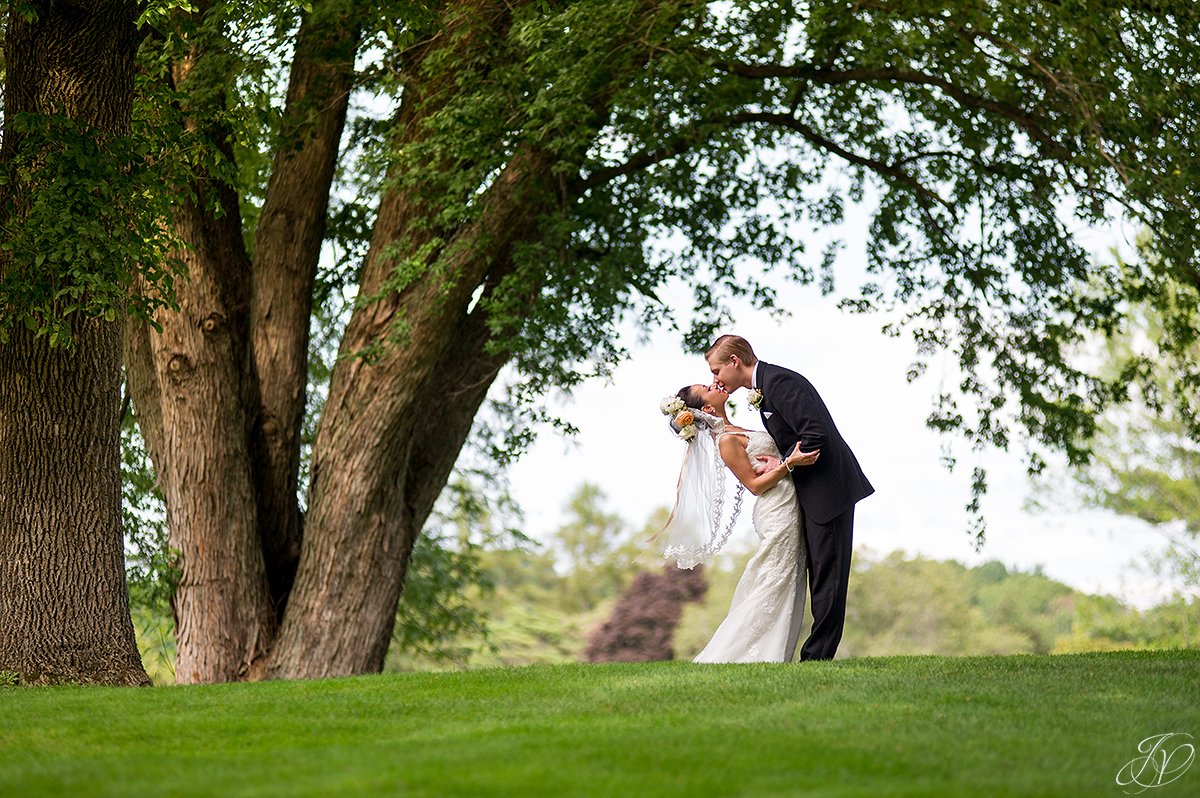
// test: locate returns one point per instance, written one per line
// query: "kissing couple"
(803, 511)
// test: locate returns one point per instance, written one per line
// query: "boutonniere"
(754, 398)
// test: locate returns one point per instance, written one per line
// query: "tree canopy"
(989, 134)
(987, 131)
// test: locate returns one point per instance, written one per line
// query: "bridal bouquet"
(684, 422)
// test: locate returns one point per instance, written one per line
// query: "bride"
(764, 618)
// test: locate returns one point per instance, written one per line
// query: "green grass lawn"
(980, 727)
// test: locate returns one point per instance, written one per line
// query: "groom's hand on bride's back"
(765, 464)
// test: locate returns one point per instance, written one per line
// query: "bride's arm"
(733, 452)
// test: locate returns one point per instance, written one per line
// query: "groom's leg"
(829, 548)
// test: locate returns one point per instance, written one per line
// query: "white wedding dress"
(764, 619)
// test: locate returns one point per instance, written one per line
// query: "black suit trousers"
(829, 548)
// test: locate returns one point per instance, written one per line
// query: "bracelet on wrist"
(787, 465)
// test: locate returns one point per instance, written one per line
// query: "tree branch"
(673, 147)
(1024, 119)
(683, 141)
(1070, 89)
(813, 137)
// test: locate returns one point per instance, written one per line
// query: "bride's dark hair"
(691, 397)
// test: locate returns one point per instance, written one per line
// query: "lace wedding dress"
(768, 604)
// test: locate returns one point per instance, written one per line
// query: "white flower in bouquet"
(671, 405)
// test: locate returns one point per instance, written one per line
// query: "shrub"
(642, 625)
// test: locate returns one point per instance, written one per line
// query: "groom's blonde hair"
(728, 345)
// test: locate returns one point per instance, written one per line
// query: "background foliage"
(506, 600)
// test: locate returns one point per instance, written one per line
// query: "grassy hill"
(899, 726)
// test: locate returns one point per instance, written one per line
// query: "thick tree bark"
(64, 609)
(224, 620)
(195, 392)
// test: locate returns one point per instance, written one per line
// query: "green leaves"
(158, 13)
(152, 567)
(83, 220)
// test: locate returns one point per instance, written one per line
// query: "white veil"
(695, 532)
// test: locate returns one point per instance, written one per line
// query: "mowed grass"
(903, 726)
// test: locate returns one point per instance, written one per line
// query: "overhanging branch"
(673, 147)
(890, 171)
(1025, 120)
(685, 140)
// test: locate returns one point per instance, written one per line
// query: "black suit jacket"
(792, 412)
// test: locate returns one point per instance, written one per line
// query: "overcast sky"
(625, 448)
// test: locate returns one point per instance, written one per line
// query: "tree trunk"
(380, 458)
(64, 609)
(193, 390)
(287, 248)
(224, 620)
(393, 424)
(220, 391)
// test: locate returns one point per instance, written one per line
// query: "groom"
(794, 415)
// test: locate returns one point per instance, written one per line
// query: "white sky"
(625, 448)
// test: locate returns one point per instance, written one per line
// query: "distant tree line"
(541, 605)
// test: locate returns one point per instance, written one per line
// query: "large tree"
(504, 210)
(71, 244)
